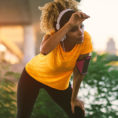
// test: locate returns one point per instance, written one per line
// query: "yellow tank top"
(55, 68)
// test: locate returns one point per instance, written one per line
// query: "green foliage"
(7, 93)
(103, 79)
(112, 58)
(12, 74)
(100, 84)
(7, 99)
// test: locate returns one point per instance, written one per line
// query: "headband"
(60, 16)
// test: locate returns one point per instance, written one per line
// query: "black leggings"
(28, 90)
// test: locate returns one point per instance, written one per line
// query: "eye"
(82, 26)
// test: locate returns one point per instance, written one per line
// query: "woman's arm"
(51, 41)
(77, 79)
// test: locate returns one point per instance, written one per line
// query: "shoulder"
(48, 34)
(86, 46)
(87, 35)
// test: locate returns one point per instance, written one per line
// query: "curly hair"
(51, 10)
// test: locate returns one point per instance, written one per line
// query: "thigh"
(27, 92)
(63, 99)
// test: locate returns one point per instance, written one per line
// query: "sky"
(103, 21)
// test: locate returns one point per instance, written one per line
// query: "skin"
(77, 79)
(51, 41)
(76, 37)
(72, 38)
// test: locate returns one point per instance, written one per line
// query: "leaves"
(103, 78)
(7, 99)
(7, 92)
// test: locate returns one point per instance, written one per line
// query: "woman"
(64, 46)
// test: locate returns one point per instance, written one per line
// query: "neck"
(68, 44)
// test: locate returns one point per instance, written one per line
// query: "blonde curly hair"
(50, 13)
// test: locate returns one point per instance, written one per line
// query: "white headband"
(60, 16)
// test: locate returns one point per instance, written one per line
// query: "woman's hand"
(78, 103)
(77, 18)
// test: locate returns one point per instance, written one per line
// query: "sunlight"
(103, 22)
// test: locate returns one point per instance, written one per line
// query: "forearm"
(76, 85)
(54, 39)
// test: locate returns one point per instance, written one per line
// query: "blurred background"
(20, 34)
(20, 38)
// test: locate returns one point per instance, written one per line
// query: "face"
(76, 34)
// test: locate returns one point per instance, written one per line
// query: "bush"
(7, 93)
(7, 99)
(102, 78)
(102, 87)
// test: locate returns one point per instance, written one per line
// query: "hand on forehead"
(80, 16)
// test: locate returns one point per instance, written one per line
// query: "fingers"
(77, 18)
(82, 15)
(81, 105)
(78, 103)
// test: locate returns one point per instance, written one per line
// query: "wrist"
(69, 26)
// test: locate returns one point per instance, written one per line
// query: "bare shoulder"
(45, 37)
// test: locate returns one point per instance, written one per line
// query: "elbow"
(43, 51)
(81, 77)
